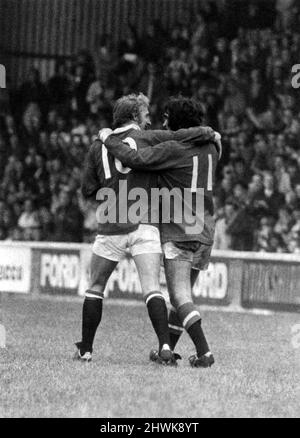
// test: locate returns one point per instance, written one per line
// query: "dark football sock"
(197, 335)
(175, 328)
(158, 314)
(191, 321)
(91, 318)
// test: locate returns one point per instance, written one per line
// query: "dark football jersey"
(116, 186)
(186, 171)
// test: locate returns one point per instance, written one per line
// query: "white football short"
(144, 240)
(199, 257)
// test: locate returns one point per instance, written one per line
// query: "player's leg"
(201, 259)
(172, 251)
(105, 257)
(194, 275)
(178, 264)
(101, 270)
(146, 251)
(178, 275)
(200, 263)
(148, 267)
(175, 327)
(207, 360)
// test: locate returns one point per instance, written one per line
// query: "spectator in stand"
(222, 239)
(239, 194)
(255, 205)
(241, 171)
(30, 128)
(59, 86)
(235, 101)
(286, 11)
(291, 200)
(3, 154)
(176, 78)
(46, 223)
(13, 171)
(276, 244)
(41, 173)
(264, 235)
(224, 190)
(94, 95)
(294, 245)
(104, 57)
(68, 220)
(33, 91)
(151, 83)
(295, 230)
(282, 177)
(240, 225)
(29, 219)
(262, 158)
(232, 229)
(271, 200)
(297, 194)
(3, 225)
(222, 61)
(258, 92)
(80, 85)
(294, 174)
(283, 224)
(152, 44)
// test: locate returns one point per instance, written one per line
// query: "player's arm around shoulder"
(155, 136)
(148, 158)
(201, 134)
(120, 149)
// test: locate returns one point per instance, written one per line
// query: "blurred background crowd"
(236, 61)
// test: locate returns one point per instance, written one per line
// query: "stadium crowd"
(236, 61)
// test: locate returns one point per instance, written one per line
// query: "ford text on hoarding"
(60, 271)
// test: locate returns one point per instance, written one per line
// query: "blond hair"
(127, 108)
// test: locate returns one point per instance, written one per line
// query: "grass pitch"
(256, 374)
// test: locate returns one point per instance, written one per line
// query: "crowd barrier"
(233, 279)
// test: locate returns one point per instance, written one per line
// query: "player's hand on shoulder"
(218, 143)
(217, 136)
(104, 133)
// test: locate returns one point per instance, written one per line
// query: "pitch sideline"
(131, 303)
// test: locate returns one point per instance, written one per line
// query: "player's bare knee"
(178, 298)
(173, 302)
(97, 287)
(97, 281)
(150, 288)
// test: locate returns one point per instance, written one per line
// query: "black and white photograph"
(149, 212)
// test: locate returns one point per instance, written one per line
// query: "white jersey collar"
(126, 128)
